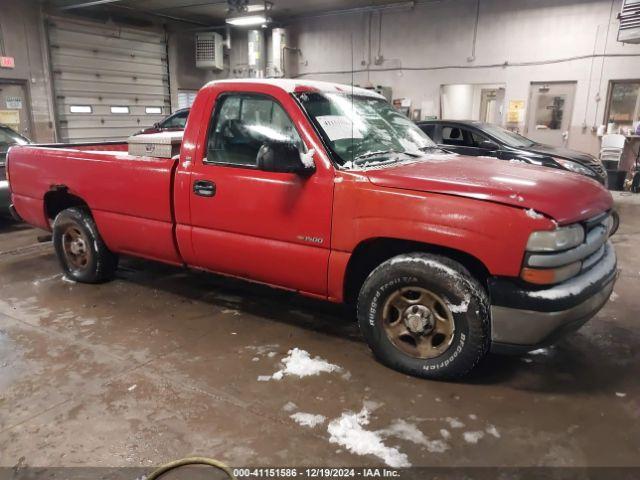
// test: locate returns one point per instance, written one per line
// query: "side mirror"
(284, 157)
(489, 145)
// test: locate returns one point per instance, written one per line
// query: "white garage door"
(108, 81)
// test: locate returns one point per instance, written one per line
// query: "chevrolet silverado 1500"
(326, 190)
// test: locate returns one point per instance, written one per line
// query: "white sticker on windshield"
(338, 127)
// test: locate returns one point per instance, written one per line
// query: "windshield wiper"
(432, 148)
(379, 153)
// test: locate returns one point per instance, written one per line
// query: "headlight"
(553, 240)
(575, 167)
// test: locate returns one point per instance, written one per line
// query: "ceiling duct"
(278, 45)
(257, 60)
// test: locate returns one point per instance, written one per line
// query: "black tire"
(465, 298)
(92, 261)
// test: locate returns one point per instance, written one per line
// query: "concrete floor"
(163, 363)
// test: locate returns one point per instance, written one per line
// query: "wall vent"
(209, 51)
(629, 31)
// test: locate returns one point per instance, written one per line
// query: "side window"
(176, 121)
(241, 124)
(452, 136)
(477, 138)
(429, 130)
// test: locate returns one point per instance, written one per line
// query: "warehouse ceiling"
(211, 11)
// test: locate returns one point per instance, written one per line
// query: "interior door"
(491, 105)
(265, 226)
(14, 108)
(550, 112)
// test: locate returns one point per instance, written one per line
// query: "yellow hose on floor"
(190, 461)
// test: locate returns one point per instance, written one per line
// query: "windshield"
(508, 137)
(364, 130)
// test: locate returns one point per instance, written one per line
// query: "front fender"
(495, 234)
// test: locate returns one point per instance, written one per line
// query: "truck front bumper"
(524, 319)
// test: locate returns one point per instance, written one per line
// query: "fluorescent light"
(80, 109)
(119, 109)
(247, 20)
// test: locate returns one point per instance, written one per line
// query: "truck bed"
(133, 201)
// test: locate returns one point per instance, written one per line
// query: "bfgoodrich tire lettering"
(437, 280)
(81, 252)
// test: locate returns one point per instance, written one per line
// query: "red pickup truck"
(326, 190)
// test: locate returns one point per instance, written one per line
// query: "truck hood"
(564, 196)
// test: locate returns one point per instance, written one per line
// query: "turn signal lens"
(561, 238)
(550, 276)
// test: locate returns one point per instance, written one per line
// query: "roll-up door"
(108, 81)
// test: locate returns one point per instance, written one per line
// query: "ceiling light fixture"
(248, 20)
(244, 15)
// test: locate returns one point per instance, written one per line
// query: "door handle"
(204, 188)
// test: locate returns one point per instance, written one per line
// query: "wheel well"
(371, 253)
(58, 200)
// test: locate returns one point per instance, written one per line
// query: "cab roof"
(292, 85)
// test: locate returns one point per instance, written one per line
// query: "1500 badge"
(306, 238)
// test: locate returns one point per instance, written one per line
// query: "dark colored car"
(8, 138)
(174, 122)
(484, 139)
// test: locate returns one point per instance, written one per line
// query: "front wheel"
(425, 315)
(81, 252)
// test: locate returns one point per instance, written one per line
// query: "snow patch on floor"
(46, 279)
(621, 394)
(298, 363)
(260, 350)
(444, 433)
(473, 437)
(67, 279)
(308, 419)
(454, 422)
(349, 432)
(614, 296)
(493, 431)
(289, 407)
(407, 431)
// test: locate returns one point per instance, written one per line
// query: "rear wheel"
(81, 252)
(425, 315)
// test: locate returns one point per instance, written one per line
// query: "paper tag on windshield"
(338, 127)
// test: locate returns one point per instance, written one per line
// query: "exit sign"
(7, 62)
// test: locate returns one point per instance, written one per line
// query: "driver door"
(265, 226)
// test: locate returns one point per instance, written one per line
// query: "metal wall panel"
(104, 66)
